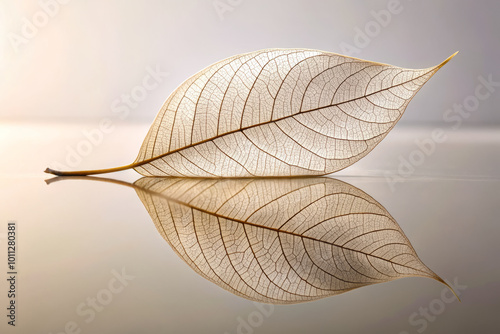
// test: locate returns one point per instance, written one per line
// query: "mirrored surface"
(90, 257)
(277, 240)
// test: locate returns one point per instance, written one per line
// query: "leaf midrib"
(146, 161)
(220, 216)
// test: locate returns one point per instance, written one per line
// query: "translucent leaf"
(275, 112)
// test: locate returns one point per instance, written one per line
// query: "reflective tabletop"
(359, 251)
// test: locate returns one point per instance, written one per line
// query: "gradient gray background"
(91, 52)
(73, 233)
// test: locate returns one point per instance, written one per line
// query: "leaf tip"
(446, 60)
(446, 283)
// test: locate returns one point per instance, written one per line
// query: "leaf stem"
(88, 172)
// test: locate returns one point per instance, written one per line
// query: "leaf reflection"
(280, 241)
